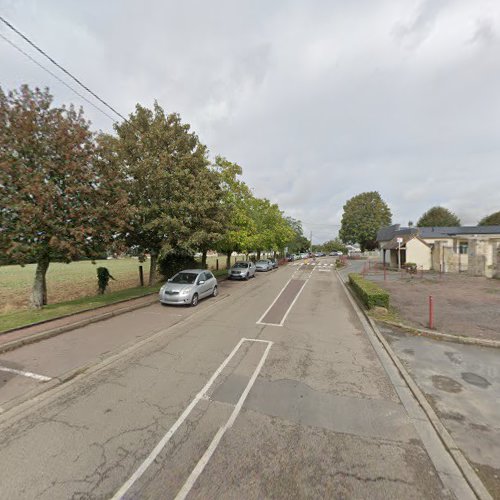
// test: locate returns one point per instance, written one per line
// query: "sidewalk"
(56, 326)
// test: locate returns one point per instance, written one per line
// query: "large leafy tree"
(438, 216)
(235, 201)
(166, 168)
(490, 220)
(333, 246)
(298, 242)
(58, 196)
(364, 214)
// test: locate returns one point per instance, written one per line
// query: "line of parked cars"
(188, 287)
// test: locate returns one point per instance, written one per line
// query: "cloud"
(317, 101)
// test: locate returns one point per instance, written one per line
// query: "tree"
(166, 169)
(298, 242)
(364, 214)
(58, 197)
(438, 217)
(334, 246)
(235, 200)
(490, 220)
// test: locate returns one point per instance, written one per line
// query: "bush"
(369, 293)
(175, 261)
(410, 267)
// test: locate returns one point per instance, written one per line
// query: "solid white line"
(295, 299)
(258, 322)
(186, 488)
(41, 378)
(166, 438)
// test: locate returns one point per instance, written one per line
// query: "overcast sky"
(317, 100)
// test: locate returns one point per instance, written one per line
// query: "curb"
(458, 457)
(49, 389)
(44, 321)
(447, 337)
(14, 344)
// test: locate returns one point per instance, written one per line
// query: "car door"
(207, 286)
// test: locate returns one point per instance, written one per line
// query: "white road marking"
(186, 488)
(36, 376)
(166, 438)
(259, 321)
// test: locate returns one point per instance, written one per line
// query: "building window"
(463, 248)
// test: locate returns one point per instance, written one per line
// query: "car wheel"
(215, 291)
(247, 276)
(194, 300)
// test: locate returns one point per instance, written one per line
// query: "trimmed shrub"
(369, 293)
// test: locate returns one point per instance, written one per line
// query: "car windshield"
(241, 264)
(184, 278)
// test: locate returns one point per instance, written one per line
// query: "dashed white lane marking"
(201, 395)
(36, 376)
(186, 488)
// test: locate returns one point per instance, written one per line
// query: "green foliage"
(176, 260)
(169, 182)
(438, 217)
(298, 242)
(490, 220)
(369, 293)
(103, 277)
(59, 198)
(411, 267)
(235, 204)
(363, 216)
(335, 245)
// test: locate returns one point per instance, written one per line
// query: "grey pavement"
(215, 405)
(462, 382)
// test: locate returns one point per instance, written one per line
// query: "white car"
(188, 287)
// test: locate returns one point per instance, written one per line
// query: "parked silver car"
(263, 265)
(242, 271)
(188, 287)
(274, 263)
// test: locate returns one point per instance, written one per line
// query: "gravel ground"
(463, 305)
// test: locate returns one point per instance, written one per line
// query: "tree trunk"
(228, 260)
(39, 293)
(152, 267)
(258, 254)
(204, 259)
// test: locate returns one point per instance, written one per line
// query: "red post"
(431, 312)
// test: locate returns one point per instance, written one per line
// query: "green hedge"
(370, 294)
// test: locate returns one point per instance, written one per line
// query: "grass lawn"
(26, 317)
(67, 282)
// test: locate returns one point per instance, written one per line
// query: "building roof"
(394, 244)
(388, 233)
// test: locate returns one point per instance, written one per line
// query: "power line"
(10, 42)
(60, 67)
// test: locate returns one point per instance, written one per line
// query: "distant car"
(290, 258)
(263, 265)
(188, 287)
(340, 253)
(274, 263)
(332, 254)
(320, 254)
(242, 271)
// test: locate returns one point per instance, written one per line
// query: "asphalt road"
(255, 394)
